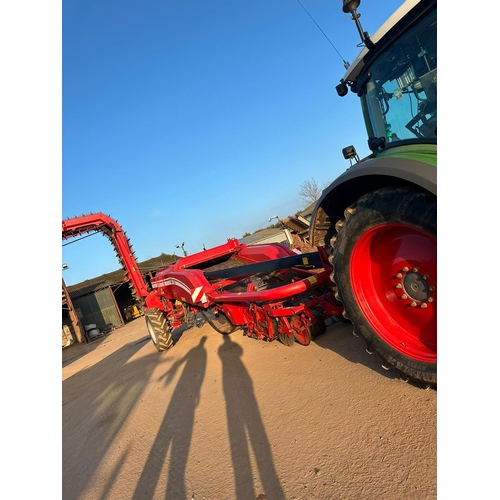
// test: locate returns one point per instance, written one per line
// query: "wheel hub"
(416, 287)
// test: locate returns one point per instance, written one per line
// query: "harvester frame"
(268, 290)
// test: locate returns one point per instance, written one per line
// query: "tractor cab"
(395, 75)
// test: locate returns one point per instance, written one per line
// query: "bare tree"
(310, 192)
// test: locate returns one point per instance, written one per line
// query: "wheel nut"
(415, 269)
(405, 269)
(424, 305)
(413, 304)
(399, 285)
(425, 277)
(431, 299)
(404, 296)
(399, 275)
(432, 288)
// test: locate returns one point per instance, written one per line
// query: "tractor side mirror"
(341, 88)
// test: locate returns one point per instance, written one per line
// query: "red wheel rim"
(393, 275)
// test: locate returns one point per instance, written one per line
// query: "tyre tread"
(162, 330)
(403, 198)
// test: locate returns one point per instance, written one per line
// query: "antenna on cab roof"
(349, 7)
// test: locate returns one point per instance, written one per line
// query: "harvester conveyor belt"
(307, 259)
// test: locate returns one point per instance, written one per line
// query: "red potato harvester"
(267, 290)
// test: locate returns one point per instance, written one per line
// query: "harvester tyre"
(220, 322)
(158, 329)
(384, 257)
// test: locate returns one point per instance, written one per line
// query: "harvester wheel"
(385, 267)
(286, 340)
(158, 329)
(283, 337)
(219, 322)
(301, 332)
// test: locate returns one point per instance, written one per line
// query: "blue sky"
(195, 122)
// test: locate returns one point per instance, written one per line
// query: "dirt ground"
(229, 417)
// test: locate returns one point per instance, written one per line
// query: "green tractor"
(377, 220)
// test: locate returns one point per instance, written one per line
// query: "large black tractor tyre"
(384, 259)
(158, 329)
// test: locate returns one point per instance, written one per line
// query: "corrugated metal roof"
(95, 284)
(114, 278)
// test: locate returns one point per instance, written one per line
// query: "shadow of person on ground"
(176, 429)
(245, 424)
(112, 389)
